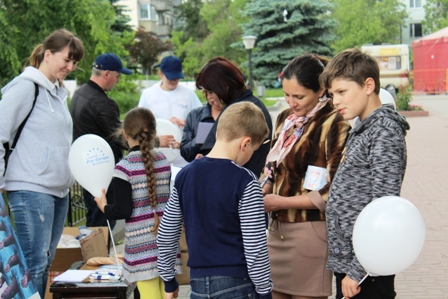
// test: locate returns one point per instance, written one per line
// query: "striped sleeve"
(253, 227)
(167, 241)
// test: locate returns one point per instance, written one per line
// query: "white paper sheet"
(73, 275)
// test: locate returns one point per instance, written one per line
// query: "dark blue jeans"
(222, 287)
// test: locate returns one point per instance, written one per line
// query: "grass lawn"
(270, 93)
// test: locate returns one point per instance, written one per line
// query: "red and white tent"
(431, 62)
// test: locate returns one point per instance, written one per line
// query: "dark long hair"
(223, 78)
(306, 69)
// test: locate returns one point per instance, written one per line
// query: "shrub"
(404, 97)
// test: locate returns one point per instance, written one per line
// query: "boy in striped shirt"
(220, 205)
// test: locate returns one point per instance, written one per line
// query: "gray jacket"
(39, 162)
(372, 166)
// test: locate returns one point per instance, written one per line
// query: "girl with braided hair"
(140, 190)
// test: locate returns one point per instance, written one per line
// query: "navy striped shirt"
(221, 206)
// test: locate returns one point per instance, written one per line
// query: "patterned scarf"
(284, 144)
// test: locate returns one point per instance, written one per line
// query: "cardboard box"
(93, 245)
(184, 278)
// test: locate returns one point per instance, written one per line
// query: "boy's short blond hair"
(353, 65)
(242, 119)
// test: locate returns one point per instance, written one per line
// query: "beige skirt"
(298, 260)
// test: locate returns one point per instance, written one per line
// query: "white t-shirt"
(166, 104)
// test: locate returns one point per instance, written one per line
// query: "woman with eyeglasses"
(223, 85)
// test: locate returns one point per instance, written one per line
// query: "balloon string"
(113, 242)
(364, 278)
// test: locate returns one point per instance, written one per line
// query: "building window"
(415, 30)
(147, 12)
(415, 3)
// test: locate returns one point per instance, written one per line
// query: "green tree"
(121, 23)
(284, 30)
(222, 18)
(436, 15)
(26, 23)
(190, 22)
(145, 49)
(367, 22)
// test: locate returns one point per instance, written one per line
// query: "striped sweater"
(372, 166)
(221, 206)
(140, 252)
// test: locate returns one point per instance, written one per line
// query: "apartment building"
(412, 30)
(156, 16)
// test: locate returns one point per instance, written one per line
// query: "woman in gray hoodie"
(38, 177)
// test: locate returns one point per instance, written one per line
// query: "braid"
(145, 141)
(140, 125)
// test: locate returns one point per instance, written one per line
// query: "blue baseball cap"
(110, 62)
(171, 67)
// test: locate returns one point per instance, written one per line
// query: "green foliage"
(307, 29)
(98, 23)
(367, 22)
(189, 52)
(404, 97)
(145, 49)
(121, 23)
(222, 19)
(436, 15)
(126, 93)
(26, 23)
(190, 21)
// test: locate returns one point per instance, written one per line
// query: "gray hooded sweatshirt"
(372, 166)
(39, 162)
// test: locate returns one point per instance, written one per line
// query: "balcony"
(164, 30)
(162, 5)
(150, 26)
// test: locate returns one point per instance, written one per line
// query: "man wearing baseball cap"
(169, 100)
(93, 112)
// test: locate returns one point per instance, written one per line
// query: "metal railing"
(76, 209)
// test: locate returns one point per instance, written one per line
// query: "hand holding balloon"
(167, 128)
(101, 202)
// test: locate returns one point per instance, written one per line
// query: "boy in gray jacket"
(373, 165)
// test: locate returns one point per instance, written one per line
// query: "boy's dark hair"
(353, 65)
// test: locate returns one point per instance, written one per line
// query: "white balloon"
(165, 127)
(387, 98)
(388, 235)
(92, 163)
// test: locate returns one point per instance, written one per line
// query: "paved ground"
(426, 186)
